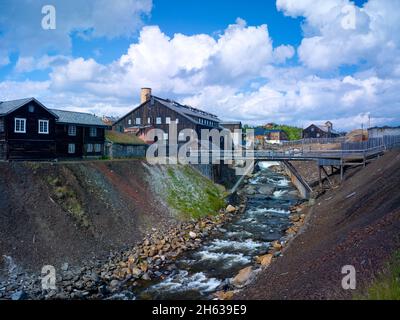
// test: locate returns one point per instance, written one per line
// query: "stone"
(295, 217)
(19, 295)
(243, 277)
(114, 284)
(265, 260)
(276, 245)
(136, 272)
(192, 235)
(266, 190)
(64, 266)
(230, 208)
(224, 295)
(146, 276)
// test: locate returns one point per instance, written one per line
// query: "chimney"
(145, 95)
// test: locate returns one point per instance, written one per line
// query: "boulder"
(224, 295)
(276, 245)
(243, 277)
(265, 260)
(19, 295)
(266, 190)
(192, 235)
(230, 208)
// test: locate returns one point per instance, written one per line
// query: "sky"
(286, 61)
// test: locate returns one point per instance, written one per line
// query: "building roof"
(7, 107)
(78, 118)
(324, 128)
(230, 122)
(263, 131)
(187, 111)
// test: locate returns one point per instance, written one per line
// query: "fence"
(313, 140)
(387, 142)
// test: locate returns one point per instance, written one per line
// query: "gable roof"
(187, 111)
(78, 118)
(7, 107)
(323, 127)
(184, 111)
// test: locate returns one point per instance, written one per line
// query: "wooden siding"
(314, 131)
(31, 144)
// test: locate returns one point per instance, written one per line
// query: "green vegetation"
(122, 138)
(191, 194)
(68, 200)
(293, 133)
(387, 284)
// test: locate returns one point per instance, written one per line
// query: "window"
(165, 136)
(89, 147)
(31, 108)
(20, 125)
(44, 126)
(71, 148)
(97, 147)
(158, 120)
(129, 121)
(138, 120)
(72, 130)
(1, 125)
(312, 129)
(177, 120)
(93, 132)
(167, 120)
(148, 120)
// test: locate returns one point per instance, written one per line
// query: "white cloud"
(20, 23)
(331, 40)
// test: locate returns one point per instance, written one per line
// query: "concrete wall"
(303, 187)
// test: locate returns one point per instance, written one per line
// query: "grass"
(122, 138)
(386, 286)
(69, 201)
(193, 195)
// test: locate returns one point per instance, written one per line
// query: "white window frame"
(177, 121)
(129, 121)
(165, 136)
(89, 148)
(158, 120)
(97, 147)
(168, 120)
(71, 148)
(91, 131)
(148, 120)
(23, 120)
(47, 126)
(138, 121)
(72, 130)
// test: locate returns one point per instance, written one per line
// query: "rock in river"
(243, 277)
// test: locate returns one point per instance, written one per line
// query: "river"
(199, 273)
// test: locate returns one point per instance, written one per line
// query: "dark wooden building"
(320, 131)
(29, 131)
(158, 113)
(79, 135)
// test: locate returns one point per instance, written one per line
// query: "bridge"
(337, 160)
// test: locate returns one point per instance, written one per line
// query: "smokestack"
(145, 95)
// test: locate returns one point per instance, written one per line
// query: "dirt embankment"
(356, 224)
(52, 213)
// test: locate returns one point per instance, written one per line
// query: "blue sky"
(256, 61)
